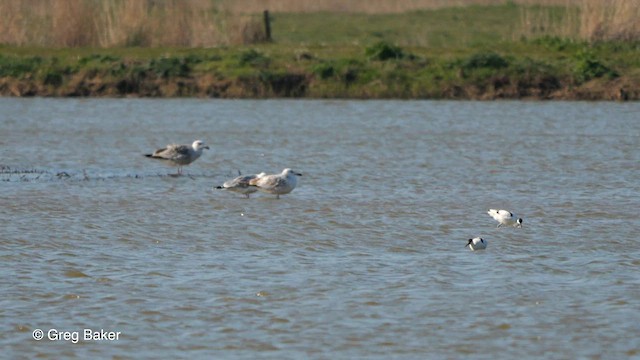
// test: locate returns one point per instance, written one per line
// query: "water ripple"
(364, 259)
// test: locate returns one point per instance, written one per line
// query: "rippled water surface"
(366, 258)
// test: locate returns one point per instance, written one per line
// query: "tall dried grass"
(205, 23)
(107, 23)
(561, 20)
(589, 20)
(610, 20)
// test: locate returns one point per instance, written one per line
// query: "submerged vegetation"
(514, 50)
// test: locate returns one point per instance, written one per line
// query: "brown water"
(365, 259)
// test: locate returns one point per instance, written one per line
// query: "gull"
(504, 217)
(179, 155)
(278, 184)
(477, 243)
(241, 184)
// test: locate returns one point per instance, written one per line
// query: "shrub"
(488, 60)
(383, 51)
(588, 67)
(255, 58)
(16, 67)
(324, 71)
(169, 67)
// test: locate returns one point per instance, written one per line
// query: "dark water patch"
(9, 174)
(73, 273)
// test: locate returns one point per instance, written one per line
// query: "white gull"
(241, 185)
(179, 155)
(277, 184)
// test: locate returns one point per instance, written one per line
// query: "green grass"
(457, 27)
(472, 52)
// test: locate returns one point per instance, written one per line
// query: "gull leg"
(277, 196)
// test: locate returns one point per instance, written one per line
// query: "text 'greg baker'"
(101, 335)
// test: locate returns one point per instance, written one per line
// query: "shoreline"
(480, 52)
(522, 70)
(620, 89)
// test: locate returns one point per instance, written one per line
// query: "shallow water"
(364, 259)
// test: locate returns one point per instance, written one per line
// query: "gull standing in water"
(477, 243)
(179, 155)
(504, 217)
(278, 184)
(241, 184)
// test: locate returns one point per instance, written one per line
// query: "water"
(365, 259)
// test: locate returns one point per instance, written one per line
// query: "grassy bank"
(475, 52)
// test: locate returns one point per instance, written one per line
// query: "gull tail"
(153, 156)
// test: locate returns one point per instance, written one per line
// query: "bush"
(324, 71)
(588, 67)
(383, 51)
(169, 67)
(253, 57)
(16, 67)
(488, 60)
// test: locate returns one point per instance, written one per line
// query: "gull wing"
(174, 152)
(269, 181)
(240, 181)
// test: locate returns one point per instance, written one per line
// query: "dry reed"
(610, 20)
(589, 20)
(108, 23)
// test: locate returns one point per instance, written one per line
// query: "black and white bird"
(277, 184)
(179, 155)
(504, 217)
(477, 243)
(241, 185)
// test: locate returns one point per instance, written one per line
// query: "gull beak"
(206, 147)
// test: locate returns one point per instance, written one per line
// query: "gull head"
(198, 144)
(288, 171)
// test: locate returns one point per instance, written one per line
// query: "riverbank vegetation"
(481, 49)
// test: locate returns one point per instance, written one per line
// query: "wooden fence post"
(267, 26)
